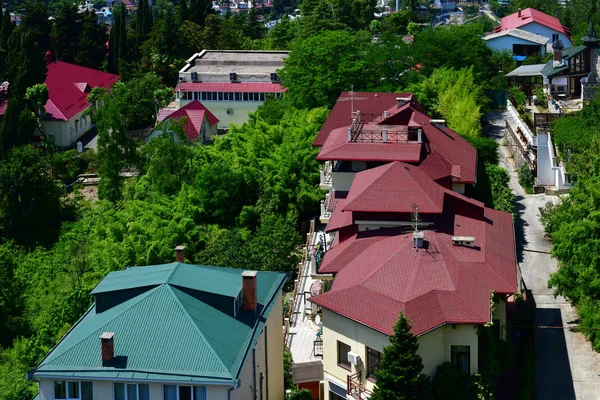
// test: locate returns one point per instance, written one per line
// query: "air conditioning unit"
(229, 111)
(468, 241)
(353, 358)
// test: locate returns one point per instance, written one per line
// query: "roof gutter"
(31, 376)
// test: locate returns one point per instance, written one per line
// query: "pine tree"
(400, 376)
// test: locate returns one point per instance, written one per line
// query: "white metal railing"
(326, 173)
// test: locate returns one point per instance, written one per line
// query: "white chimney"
(384, 135)
(349, 134)
(385, 114)
(418, 239)
(419, 135)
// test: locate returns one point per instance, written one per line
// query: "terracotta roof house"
(68, 88)
(406, 244)
(174, 331)
(231, 83)
(366, 130)
(199, 123)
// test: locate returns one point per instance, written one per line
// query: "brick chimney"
(108, 346)
(557, 47)
(180, 255)
(519, 14)
(249, 290)
(49, 57)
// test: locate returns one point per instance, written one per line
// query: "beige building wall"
(239, 110)
(65, 132)
(434, 347)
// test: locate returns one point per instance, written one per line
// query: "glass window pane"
(230, 96)
(86, 391)
(199, 392)
(220, 96)
(119, 391)
(131, 392)
(144, 392)
(60, 389)
(185, 393)
(73, 390)
(170, 392)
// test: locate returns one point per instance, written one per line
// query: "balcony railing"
(326, 175)
(355, 389)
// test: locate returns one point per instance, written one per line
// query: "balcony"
(355, 389)
(326, 175)
(325, 211)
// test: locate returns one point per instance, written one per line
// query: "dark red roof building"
(377, 128)
(468, 251)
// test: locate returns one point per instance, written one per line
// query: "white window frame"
(137, 389)
(67, 381)
(190, 386)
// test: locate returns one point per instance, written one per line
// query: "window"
(174, 392)
(72, 390)
(230, 96)
(245, 96)
(554, 37)
(262, 97)
(238, 97)
(373, 361)
(461, 357)
(220, 96)
(342, 357)
(131, 391)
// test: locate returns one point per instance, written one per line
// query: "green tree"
(35, 21)
(91, 51)
(65, 32)
(6, 30)
(319, 68)
(200, 10)
(11, 296)
(400, 375)
(143, 24)
(29, 198)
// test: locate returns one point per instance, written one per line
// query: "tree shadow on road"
(520, 224)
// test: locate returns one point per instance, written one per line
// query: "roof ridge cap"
(141, 298)
(187, 315)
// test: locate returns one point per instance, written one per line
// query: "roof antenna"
(352, 100)
(418, 236)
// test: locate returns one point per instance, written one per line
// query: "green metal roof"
(549, 70)
(166, 333)
(223, 281)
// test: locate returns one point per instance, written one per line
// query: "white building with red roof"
(68, 88)
(231, 83)
(199, 124)
(405, 240)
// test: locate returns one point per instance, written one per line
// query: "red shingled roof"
(529, 15)
(195, 112)
(453, 156)
(235, 87)
(394, 187)
(68, 88)
(379, 273)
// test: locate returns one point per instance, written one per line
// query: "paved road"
(566, 366)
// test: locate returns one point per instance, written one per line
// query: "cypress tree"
(6, 29)
(400, 376)
(122, 36)
(183, 11)
(139, 22)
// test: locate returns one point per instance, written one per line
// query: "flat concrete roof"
(238, 61)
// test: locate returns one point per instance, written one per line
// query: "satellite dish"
(318, 319)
